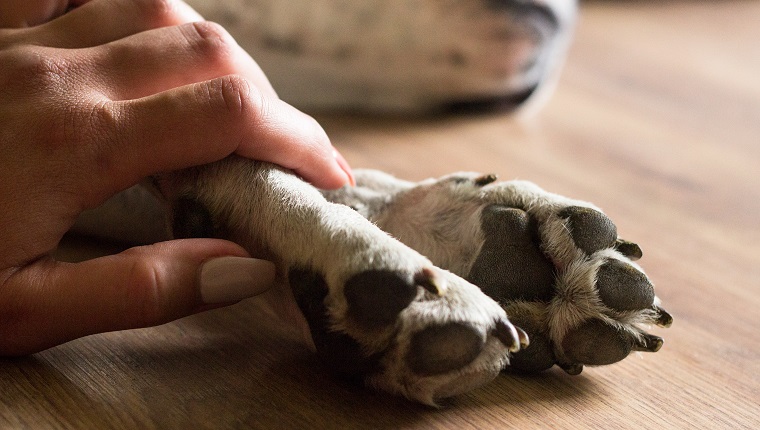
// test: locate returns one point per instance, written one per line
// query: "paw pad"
(191, 219)
(591, 230)
(596, 343)
(340, 352)
(376, 297)
(624, 288)
(440, 349)
(511, 265)
(539, 355)
(395, 330)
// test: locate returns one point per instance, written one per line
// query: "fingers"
(18, 14)
(142, 35)
(172, 57)
(163, 119)
(287, 137)
(99, 22)
(202, 123)
(49, 303)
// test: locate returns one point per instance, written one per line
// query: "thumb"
(49, 302)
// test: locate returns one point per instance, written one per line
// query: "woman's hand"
(95, 100)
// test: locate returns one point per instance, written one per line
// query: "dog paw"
(427, 335)
(377, 310)
(556, 265)
(561, 272)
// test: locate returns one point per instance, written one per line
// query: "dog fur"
(405, 55)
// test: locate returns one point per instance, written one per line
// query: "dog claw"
(508, 335)
(484, 180)
(648, 343)
(629, 249)
(523, 336)
(664, 319)
(431, 281)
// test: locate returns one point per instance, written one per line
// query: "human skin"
(93, 101)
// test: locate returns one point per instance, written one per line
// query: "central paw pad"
(440, 349)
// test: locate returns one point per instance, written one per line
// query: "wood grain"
(656, 119)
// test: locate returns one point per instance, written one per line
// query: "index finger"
(201, 123)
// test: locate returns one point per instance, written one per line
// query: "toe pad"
(591, 230)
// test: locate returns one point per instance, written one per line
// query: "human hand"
(95, 100)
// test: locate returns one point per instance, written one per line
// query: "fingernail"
(231, 279)
(345, 167)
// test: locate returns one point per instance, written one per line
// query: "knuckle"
(41, 83)
(97, 148)
(157, 12)
(237, 97)
(102, 119)
(145, 299)
(211, 41)
(29, 67)
(108, 135)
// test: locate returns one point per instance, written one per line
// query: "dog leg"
(377, 310)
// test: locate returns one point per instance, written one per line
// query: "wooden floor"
(656, 119)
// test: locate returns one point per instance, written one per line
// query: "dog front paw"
(425, 334)
(377, 310)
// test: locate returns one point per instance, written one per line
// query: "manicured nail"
(231, 279)
(345, 167)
